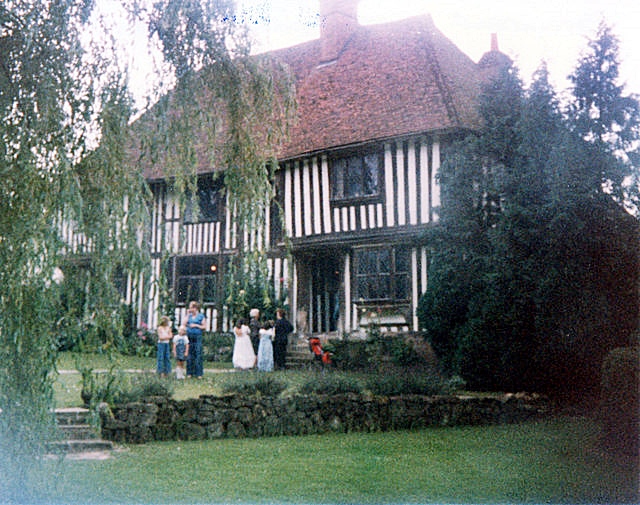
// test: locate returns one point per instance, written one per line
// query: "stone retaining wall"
(211, 417)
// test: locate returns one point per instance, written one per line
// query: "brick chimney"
(339, 22)
(494, 59)
(494, 42)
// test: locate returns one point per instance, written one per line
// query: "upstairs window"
(356, 176)
(209, 200)
(382, 274)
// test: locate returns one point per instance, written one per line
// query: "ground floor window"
(195, 278)
(382, 274)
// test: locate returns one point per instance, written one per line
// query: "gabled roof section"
(389, 80)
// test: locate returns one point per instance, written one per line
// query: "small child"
(265, 348)
(181, 351)
(164, 353)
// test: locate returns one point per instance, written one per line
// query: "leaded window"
(382, 274)
(209, 202)
(356, 176)
(195, 278)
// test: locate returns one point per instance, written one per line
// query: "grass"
(68, 385)
(555, 461)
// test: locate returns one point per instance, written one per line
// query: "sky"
(530, 31)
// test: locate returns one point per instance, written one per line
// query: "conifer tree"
(531, 291)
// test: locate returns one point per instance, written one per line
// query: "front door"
(324, 310)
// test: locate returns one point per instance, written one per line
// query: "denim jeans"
(194, 360)
(164, 358)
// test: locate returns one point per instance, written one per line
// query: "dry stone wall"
(233, 416)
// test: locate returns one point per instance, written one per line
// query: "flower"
(143, 332)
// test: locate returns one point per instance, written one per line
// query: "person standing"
(181, 351)
(196, 324)
(243, 356)
(265, 350)
(254, 329)
(282, 329)
(164, 352)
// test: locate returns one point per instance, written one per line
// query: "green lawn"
(556, 461)
(67, 386)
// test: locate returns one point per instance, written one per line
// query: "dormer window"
(356, 176)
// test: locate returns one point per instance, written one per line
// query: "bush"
(260, 385)
(330, 384)
(377, 351)
(218, 346)
(123, 388)
(408, 382)
(620, 404)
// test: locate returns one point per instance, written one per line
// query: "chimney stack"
(494, 42)
(339, 22)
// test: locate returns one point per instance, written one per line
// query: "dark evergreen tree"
(535, 267)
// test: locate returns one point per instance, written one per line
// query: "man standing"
(254, 329)
(281, 339)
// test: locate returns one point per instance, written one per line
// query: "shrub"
(407, 382)
(348, 354)
(620, 405)
(377, 350)
(331, 384)
(218, 346)
(122, 388)
(260, 385)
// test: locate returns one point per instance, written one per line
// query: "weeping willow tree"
(226, 112)
(73, 208)
(67, 204)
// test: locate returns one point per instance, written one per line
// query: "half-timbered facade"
(357, 184)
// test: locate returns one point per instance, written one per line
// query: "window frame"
(200, 274)
(398, 282)
(347, 175)
(209, 189)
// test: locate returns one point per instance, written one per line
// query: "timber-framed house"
(357, 181)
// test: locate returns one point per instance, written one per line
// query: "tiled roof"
(389, 80)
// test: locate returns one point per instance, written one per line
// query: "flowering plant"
(144, 333)
(145, 343)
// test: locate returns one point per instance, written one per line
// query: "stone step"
(78, 432)
(72, 415)
(77, 437)
(80, 446)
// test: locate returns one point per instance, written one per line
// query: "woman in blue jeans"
(196, 323)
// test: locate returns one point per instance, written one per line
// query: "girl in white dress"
(243, 356)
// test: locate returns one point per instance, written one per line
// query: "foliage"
(218, 346)
(529, 284)
(66, 195)
(408, 381)
(330, 384)
(260, 384)
(378, 350)
(620, 399)
(602, 115)
(72, 206)
(226, 112)
(117, 388)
